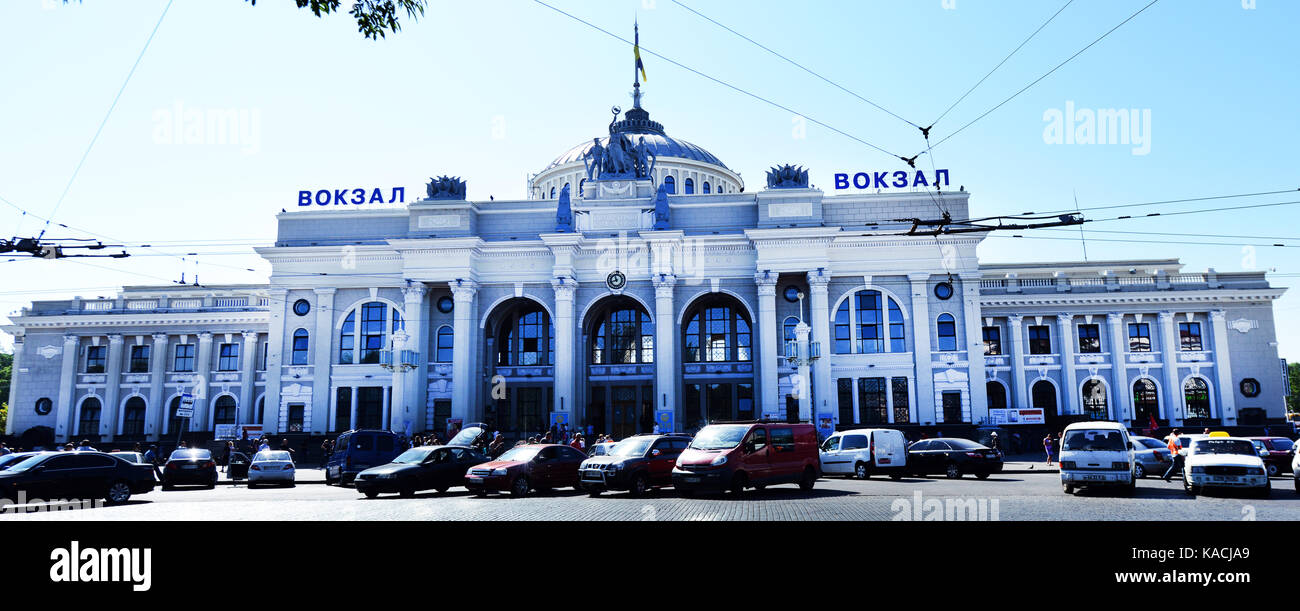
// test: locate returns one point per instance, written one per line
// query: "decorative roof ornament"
(564, 213)
(787, 177)
(445, 187)
(661, 208)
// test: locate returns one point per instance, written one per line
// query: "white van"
(1096, 454)
(862, 452)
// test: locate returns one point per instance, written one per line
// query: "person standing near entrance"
(1174, 446)
(1048, 446)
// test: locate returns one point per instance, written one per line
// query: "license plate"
(1094, 478)
(189, 466)
(691, 480)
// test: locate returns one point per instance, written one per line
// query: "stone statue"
(787, 177)
(564, 213)
(596, 155)
(619, 162)
(661, 208)
(445, 187)
(644, 158)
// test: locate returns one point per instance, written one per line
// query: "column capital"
(1165, 316)
(463, 291)
(115, 338)
(564, 288)
(765, 278)
(1015, 319)
(250, 336)
(918, 276)
(323, 291)
(1218, 316)
(205, 336)
(71, 339)
(664, 284)
(160, 338)
(818, 279)
(1065, 317)
(415, 292)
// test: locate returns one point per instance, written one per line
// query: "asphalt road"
(1011, 496)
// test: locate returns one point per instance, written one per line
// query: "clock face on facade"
(616, 280)
(301, 307)
(791, 293)
(44, 406)
(943, 290)
(1250, 387)
(445, 305)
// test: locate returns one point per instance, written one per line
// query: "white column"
(463, 371)
(278, 309)
(355, 391)
(1227, 404)
(925, 401)
(1065, 330)
(67, 388)
(322, 341)
(113, 389)
(156, 414)
(979, 402)
(1018, 381)
(400, 411)
(14, 379)
(1119, 369)
(1169, 364)
(819, 320)
(564, 288)
(384, 421)
(801, 333)
(203, 379)
(769, 346)
(666, 367)
(247, 377)
(417, 380)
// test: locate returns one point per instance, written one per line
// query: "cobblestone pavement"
(1012, 496)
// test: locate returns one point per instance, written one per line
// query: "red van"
(748, 455)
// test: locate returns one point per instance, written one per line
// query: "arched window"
(997, 394)
(670, 184)
(689, 186)
(787, 332)
(299, 348)
(133, 416)
(623, 334)
(716, 331)
(1094, 400)
(566, 186)
(947, 330)
(707, 190)
(223, 411)
(1197, 395)
(260, 412)
(1044, 395)
(581, 184)
(861, 328)
(526, 337)
(552, 192)
(174, 423)
(90, 411)
(445, 344)
(1146, 401)
(362, 343)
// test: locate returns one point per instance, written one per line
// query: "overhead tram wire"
(1167, 201)
(104, 122)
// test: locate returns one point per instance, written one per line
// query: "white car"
(1224, 462)
(862, 452)
(271, 467)
(1096, 454)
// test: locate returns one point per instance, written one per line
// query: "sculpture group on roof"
(787, 177)
(445, 187)
(620, 159)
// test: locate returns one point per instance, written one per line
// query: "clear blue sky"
(335, 110)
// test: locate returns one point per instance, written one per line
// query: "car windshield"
(30, 462)
(719, 437)
(272, 455)
(1224, 446)
(9, 460)
(1282, 445)
(1094, 441)
(520, 454)
(191, 455)
(413, 456)
(631, 447)
(466, 436)
(1151, 444)
(964, 444)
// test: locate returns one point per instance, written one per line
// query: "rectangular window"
(952, 405)
(844, 395)
(843, 339)
(296, 411)
(898, 387)
(1040, 339)
(373, 316)
(95, 359)
(872, 404)
(1189, 336)
(184, 360)
(870, 329)
(266, 347)
(745, 401)
(897, 341)
(228, 359)
(1139, 337)
(992, 341)
(139, 359)
(1089, 339)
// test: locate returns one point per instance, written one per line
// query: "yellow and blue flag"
(636, 51)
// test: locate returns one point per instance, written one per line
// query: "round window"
(301, 307)
(44, 406)
(791, 293)
(943, 290)
(445, 304)
(1250, 387)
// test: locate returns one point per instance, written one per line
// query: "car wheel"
(691, 493)
(953, 472)
(441, 489)
(594, 491)
(860, 471)
(406, 492)
(169, 486)
(738, 482)
(809, 479)
(1066, 488)
(1189, 488)
(1139, 471)
(895, 476)
(640, 485)
(984, 475)
(1131, 488)
(370, 494)
(1272, 470)
(118, 492)
(1297, 483)
(519, 487)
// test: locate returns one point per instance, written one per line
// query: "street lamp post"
(801, 353)
(400, 362)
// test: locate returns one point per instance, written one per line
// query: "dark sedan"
(953, 457)
(75, 475)
(11, 459)
(424, 468)
(189, 467)
(539, 467)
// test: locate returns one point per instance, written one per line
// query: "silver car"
(1150, 456)
(271, 467)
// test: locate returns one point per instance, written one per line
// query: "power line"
(1167, 201)
(1184, 242)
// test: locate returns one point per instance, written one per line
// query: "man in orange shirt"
(1174, 447)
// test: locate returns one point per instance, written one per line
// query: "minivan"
(356, 451)
(737, 456)
(862, 452)
(1096, 454)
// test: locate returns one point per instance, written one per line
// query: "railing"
(1087, 281)
(993, 284)
(1187, 279)
(185, 304)
(230, 302)
(97, 305)
(1136, 280)
(142, 304)
(1035, 282)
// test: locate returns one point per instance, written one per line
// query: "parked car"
(271, 467)
(76, 475)
(601, 449)
(423, 468)
(635, 464)
(1150, 455)
(188, 466)
(1295, 469)
(540, 467)
(954, 457)
(237, 465)
(862, 452)
(9, 460)
(132, 457)
(1096, 454)
(1225, 462)
(738, 456)
(1277, 458)
(356, 451)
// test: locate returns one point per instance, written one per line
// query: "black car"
(76, 475)
(189, 467)
(953, 457)
(635, 464)
(423, 468)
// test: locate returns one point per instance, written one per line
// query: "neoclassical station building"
(643, 283)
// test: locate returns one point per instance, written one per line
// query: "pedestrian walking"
(1048, 446)
(995, 443)
(1174, 446)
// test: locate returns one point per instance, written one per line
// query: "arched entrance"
(717, 362)
(519, 346)
(1094, 399)
(1043, 396)
(1146, 402)
(619, 335)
